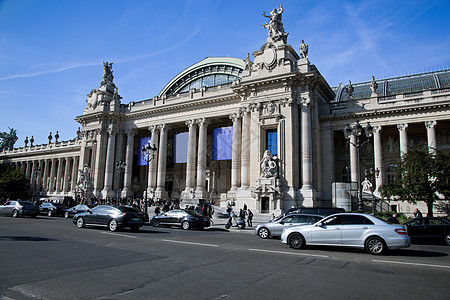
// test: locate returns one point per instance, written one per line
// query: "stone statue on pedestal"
(275, 26)
(304, 49)
(268, 165)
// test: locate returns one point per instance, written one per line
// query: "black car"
(19, 208)
(322, 211)
(112, 216)
(53, 209)
(70, 212)
(179, 217)
(429, 229)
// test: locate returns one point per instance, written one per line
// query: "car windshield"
(25, 203)
(127, 209)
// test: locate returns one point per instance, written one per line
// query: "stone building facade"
(278, 102)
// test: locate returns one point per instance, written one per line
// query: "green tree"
(420, 176)
(13, 184)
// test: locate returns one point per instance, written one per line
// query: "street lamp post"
(371, 173)
(36, 173)
(120, 167)
(357, 130)
(148, 153)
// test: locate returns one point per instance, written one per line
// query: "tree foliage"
(13, 183)
(7, 140)
(420, 176)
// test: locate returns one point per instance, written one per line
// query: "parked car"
(429, 229)
(275, 228)
(321, 211)
(112, 216)
(52, 209)
(351, 230)
(180, 217)
(70, 212)
(19, 208)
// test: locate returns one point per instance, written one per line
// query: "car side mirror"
(320, 224)
(90, 211)
(282, 222)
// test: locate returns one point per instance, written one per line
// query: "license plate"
(136, 219)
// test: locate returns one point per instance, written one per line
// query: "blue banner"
(180, 146)
(222, 143)
(142, 141)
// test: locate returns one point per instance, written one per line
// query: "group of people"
(244, 213)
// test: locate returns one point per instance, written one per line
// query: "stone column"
(378, 156)
(162, 162)
(201, 158)
(51, 186)
(66, 176)
(39, 179)
(73, 183)
(190, 164)
(59, 175)
(119, 157)
(431, 136)
(354, 167)
(245, 149)
(28, 170)
(98, 163)
(154, 163)
(306, 145)
(33, 178)
(109, 168)
(236, 153)
(129, 164)
(403, 138)
(45, 175)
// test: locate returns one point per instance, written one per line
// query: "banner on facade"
(142, 141)
(222, 143)
(180, 147)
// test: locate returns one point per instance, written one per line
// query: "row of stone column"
(378, 150)
(53, 176)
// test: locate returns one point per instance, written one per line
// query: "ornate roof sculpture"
(389, 87)
(211, 71)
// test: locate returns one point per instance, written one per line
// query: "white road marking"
(124, 235)
(291, 253)
(190, 243)
(412, 264)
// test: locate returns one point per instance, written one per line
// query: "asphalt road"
(50, 258)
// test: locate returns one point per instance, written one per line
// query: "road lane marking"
(412, 264)
(292, 253)
(124, 235)
(190, 243)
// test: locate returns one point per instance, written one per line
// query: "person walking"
(393, 219)
(249, 218)
(417, 213)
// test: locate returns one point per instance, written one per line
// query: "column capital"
(190, 123)
(202, 122)
(430, 124)
(235, 117)
(163, 127)
(402, 127)
(377, 129)
(153, 128)
(112, 131)
(305, 101)
(129, 132)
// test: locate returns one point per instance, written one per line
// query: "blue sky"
(51, 51)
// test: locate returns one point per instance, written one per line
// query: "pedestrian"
(393, 219)
(245, 207)
(157, 210)
(273, 217)
(250, 218)
(242, 214)
(417, 213)
(229, 210)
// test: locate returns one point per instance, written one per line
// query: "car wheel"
(375, 245)
(185, 225)
(49, 213)
(113, 225)
(296, 241)
(155, 223)
(15, 213)
(66, 215)
(447, 239)
(263, 233)
(80, 222)
(227, 226)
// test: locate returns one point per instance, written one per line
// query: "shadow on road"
(26, 239)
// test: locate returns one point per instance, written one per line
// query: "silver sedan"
(351, 230)
(275, 228)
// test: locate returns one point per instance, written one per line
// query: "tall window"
(272, 141)
(346, 174)
(390, 173)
